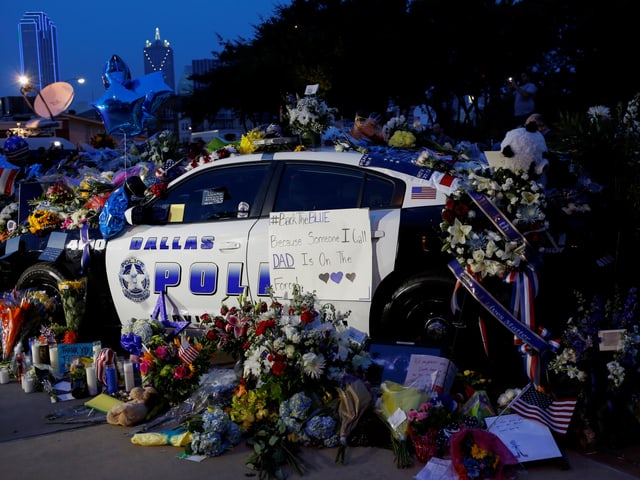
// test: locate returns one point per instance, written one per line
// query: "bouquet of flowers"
(74, 298)
(301, 347)
(310, 115)
(212, 433)
(173, 365)
(471, 238)
(426, 421)
(479, 454)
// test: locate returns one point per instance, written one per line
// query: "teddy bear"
(135, 410)
(524, 149)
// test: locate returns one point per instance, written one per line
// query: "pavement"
(40, 438)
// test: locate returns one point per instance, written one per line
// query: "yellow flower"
(402, 139)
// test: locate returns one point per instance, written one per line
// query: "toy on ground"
(135, 410)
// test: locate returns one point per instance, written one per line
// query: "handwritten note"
(430, 373)
(68, 351)
(328, 251)
(528, 440)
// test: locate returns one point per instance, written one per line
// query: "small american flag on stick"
(554, 413)
(187, 352)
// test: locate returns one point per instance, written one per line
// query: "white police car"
(214, 234)
(253, 222)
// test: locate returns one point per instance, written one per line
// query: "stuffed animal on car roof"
(524, 149)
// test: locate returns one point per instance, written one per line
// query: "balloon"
(128, 105)
(16, 149)
(121, 110)
(115, 71)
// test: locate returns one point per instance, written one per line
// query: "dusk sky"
(89, 33)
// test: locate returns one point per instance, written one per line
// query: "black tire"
(419, 312)
(43, 277)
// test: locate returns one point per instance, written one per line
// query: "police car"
(244, 224)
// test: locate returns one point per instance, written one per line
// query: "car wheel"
(418, 311)
(43, 277)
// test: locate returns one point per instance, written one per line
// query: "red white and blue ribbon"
(533, 342)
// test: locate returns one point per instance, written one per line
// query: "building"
(201, 67)
(38, 45)
(158, 57)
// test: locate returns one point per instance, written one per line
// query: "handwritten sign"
(528, 440)
(68, 351)
(430, 373)
(327, 251)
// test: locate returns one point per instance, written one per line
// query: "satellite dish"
(53, 99)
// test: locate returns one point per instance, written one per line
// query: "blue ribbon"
(519, 329)
(498, 219)
(160, 313)
(132, 343)
(84, 238)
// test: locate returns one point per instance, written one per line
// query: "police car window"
(378, 192)
(318, 187)
(216, 194)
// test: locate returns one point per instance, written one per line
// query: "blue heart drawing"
(336, 277)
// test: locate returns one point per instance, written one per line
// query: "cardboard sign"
(68, 351)
(430, 373)
(329, 250)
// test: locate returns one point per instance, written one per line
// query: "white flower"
(313, 365)
(459, 232)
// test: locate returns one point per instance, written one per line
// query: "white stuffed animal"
(524, 149)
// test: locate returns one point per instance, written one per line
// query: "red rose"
(307, 316)
(461, 209)
(278, 368)
(448, 216)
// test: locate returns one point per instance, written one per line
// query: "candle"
(111, 375)
(92, 381)
(35, 351)
(4, 375)
(28, 384)
(129, 380)
(97, 346)
(53, 358)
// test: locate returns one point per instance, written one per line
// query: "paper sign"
(611, 340)
(528, 440)
(430, 373)
(68, 351)
(311, 89)
(176, 212)
(329, 250)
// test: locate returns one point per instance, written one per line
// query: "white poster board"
(326, 251)
(528, 440)
(430, 373)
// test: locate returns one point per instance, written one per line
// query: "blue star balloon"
(128, 106)
(115, 71)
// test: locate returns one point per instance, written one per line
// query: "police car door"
(309, 186)
(196, 253)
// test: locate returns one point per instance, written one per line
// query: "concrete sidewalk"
(36, 440)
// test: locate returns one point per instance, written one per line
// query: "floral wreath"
(474, 241)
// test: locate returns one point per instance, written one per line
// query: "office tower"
(202, 67)
(158, 57)
(38, 44)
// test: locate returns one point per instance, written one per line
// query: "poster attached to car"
(326, 251)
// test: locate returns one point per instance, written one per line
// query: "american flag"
(554, 413)
(423, 193)
(187, 352)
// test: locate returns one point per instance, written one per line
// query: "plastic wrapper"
(480, 454)
(176, 438)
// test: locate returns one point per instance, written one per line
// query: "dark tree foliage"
(361, 52)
